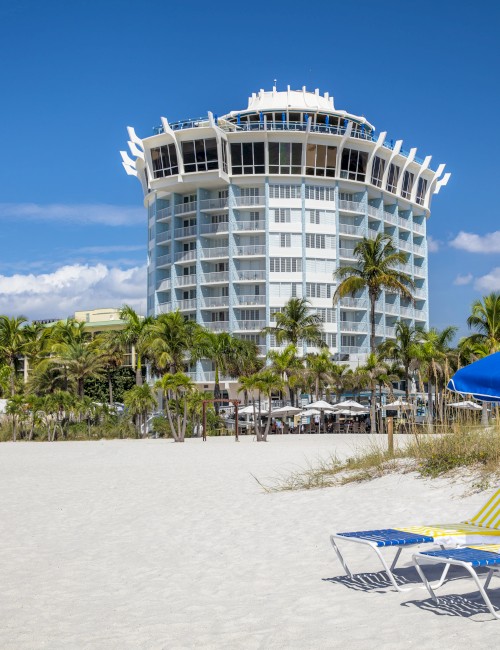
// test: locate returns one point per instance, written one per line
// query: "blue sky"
(75, 74)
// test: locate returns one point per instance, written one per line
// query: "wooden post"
(390, 436)
(204, 425)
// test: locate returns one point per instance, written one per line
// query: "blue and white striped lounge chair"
(482, 528)
(469, 558)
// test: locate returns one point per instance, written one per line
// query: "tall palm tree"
(170, 340)
(288, 366)
(37, 343)
(80, 360)
(112, 350)
(485, 318)
(135, 334)
(12, 344)
(374, 371)
(268, 382)
(320, 369)
(177, 386)
(376, 270)
(139, 401)
(403, 349)
(297, 324)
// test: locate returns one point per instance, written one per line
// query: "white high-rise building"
(251, 208)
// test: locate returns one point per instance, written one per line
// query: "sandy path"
(151, 544)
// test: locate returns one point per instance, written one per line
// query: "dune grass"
(475, 452)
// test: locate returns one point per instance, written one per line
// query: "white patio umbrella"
(248, 410)
(468, 405)
(350, 405)
(309, 412)
(398, 405)
(286, 410)
(347, 412)
(322, 406)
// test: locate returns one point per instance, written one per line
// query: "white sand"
(151, 544)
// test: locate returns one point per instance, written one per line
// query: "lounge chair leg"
(482, 590)
(423, 577)
(488, 579)
(396, 558)
(341, 557)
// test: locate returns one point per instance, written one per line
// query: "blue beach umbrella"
(481, 379)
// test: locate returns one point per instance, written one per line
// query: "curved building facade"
(249, 209)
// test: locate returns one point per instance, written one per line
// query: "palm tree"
(80, 361)
(12, 345)
(139, 400)
(339, 378)
(375, 371)
(320, 370)
(250, 384)
(403, 349)
(296, 324)
(135, 334)
(288, 366)
(432, 354)
(178, 386)
(267, 382)
(376, 270)
(112, 350)
(485, 318)
(170, 341)
(37, 342)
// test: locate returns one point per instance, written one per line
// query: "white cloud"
(461, 280)
(71, 288)
(87, 214)
(432, 244)
(472, 243)
(489, 282)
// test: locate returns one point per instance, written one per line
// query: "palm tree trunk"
(110, 389)
(216, 390)
(407, 383)
(373, 410)
(372, 323)
(268, 423)
(138, 372)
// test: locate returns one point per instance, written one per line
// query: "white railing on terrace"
(163, 236)
(372, 234)
(419, 250)
(373, 211)
(183, 208)
(183, 280)
(404, 223)
(219, 251)
(187, 304)
(389, 308)
(214, 228)
(213, 204)
(404, 245)
(217, 326)
(209, 375)
(188, 231)
(240, 201)
(163, 260)
(184, 256)
(347, 253)
(406, 268)
(165, 307)
(217, 276)
(390, 332)
(250, 299)
(163, 214)
(419, 294)
(249, 225)
(353, 326)
(390, 218)
(349, 229)
(419, 227)
(250, 250)
(245, 275)
(419, 270)
(356, 303)
(351, 206)
(245, 325)
(420, 314)
(164, 285)
(407, 311)
(216, 301)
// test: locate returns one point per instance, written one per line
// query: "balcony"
(243, 201)
(404, 245)
(213, 204)
(163, 260)
(407, 312)
(250, 299)
(164, 214)
(354, 303)
(349, 229)
(373, 211)
(252, 251)
(188, 231)
(246, 325)
(390, 218)
(211, 302)
(351, 206)
(372, 234)
(347, 253)
(404, 223)
(249, 275)
(217, 326)
(186, 256)
(185, 280)
(211, 253)
(390, 332)
(187, 305)
(419, 227)
(216, 277)
(419, 294)
(390, 308)
(164, 285)
(353, 326)
(185, 208)
(163, 236)
(249, 225)
(214, 228)
(419, 271)
(420, 314)
(419, 250)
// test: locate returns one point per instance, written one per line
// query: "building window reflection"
(353, 164)
(285, 157)
(164, 161)
(200, 155)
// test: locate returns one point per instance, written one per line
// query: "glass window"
(248, 158)
(421, 190)
(353, 165)
(224, 156)
(320, 193)
(200, 155)
(378, 168)
(285, 265)
(164, 161)
(284, 191)
(392, 178)
(282, 215)
(285, 240)
(320, 160)
(285, 158)
(408, 179)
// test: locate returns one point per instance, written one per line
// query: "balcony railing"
(213, 204)
(419, 227)
(250, 250)
(164, 285)
(372, 234)
(347, 253)
(373, 211)
(188, 231)
(213, 278)
(419, 250)
(164, 214)
(245, 325)
(407, 312)
(219, 251)
(217, 326)
(214, 228)
(390, 308)
(390, 218)
(188, 304)
(216, 301)
(404, 245)
(419, 294)
(351, 206)
(248, 275)
(404, 223)
(184, 256)
(183, 208)
(250, 299)
(390, 332)
(355, 303)
(349, 229)
(163, 236)
(419, 271)
(184, 280)
(420, 314)
(163, 260)
(242, 201)
(249, 225)
(353, 326)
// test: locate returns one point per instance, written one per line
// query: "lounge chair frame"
(420, 558)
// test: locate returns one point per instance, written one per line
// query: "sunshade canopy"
(398, 405)
(286, 410)
(321, 405)
(350, 405)
(480, 379)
